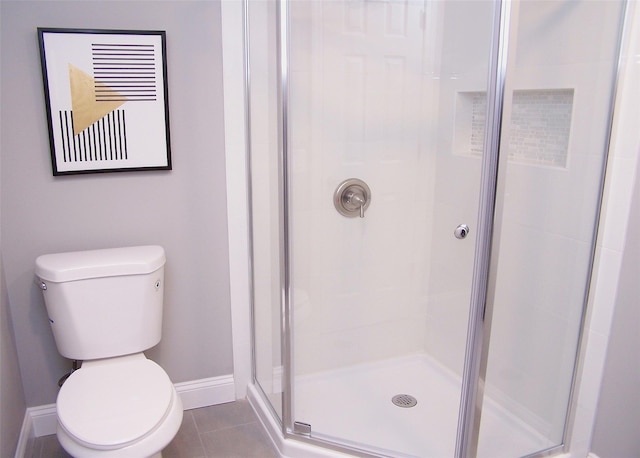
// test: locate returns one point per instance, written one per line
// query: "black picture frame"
(106, 99)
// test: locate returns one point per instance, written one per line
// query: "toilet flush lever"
(40, 284)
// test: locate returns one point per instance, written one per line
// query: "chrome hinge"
(301, 428)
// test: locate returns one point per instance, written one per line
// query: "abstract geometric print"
(106, 96)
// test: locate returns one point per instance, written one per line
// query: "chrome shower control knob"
(461, 231)
(352, 198)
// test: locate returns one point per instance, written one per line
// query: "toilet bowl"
(118, 407)
(105, 309)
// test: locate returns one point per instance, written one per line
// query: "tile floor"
(229, 430)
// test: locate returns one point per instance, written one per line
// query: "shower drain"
(404, 400)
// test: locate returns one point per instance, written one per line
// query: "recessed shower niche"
(539, 127)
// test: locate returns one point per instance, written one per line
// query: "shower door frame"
(480, 309)
(470, 407)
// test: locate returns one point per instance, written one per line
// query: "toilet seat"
(112, 403)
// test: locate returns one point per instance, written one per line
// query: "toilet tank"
(103, 303)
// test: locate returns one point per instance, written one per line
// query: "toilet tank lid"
(110, 262)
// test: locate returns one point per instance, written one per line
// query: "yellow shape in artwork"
(86, 110)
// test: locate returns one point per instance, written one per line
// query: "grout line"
(195, 423)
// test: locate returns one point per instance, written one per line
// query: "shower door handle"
(461, 231)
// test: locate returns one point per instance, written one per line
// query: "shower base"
(356, 403)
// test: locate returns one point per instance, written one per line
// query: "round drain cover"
(404, 400)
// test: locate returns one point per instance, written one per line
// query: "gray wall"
(183, 210)
(617, 430)
(12, 403)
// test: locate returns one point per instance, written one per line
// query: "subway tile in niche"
(540, 126)
(539, 129)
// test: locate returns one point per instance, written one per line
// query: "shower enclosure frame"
(480, 310)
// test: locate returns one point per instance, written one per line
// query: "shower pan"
(426, 178)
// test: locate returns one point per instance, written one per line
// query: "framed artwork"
(106, 99)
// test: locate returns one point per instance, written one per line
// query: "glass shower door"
(264, 151)
(556, 120)
(388, 93)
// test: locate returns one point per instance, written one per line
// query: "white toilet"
(105, 309)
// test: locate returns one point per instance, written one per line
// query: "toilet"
(105, 309)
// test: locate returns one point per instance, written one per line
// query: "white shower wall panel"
(387, 119)
(361, 118)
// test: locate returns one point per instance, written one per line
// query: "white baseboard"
(41, 420)
(38, 421)
(207, 392)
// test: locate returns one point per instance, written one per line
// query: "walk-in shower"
(426, 178)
